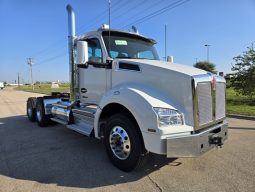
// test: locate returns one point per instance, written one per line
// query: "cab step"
(85, 130)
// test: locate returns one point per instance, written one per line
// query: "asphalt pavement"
(58, 159)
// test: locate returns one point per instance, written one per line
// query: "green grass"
(239, 104)
(44, 88)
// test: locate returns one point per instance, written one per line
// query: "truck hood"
(171, 81)
(184, 69)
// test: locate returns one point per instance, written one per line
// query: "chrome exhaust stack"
(71, 37)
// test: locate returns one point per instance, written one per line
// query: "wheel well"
(112, 109)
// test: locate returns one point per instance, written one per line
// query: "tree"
(243, 80)
(205, 65)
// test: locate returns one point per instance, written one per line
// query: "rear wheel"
(41, 118)
(124, 145)
(30, 110)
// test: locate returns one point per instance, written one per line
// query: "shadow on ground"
(56, 155)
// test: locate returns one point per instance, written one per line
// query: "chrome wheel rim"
(39, 114)
(29, 111)
(120, 143)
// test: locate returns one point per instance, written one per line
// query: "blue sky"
(38, 29)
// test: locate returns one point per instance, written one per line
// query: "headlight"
(168, 116)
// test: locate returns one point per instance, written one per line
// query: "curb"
(241, 117)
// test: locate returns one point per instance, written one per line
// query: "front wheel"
(123, 142)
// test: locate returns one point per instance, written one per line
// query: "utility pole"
(208, 52)
(30, 63)
(165, 43)
(18, 79)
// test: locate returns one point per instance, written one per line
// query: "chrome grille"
(204, 103)
(208, 100)
(220, 101)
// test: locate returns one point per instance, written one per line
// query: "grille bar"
(204, 103)
(220, 100)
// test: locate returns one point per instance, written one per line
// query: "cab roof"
(100, 31)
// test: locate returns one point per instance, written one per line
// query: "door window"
(94, 51)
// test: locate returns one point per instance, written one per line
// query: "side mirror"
(82, 53)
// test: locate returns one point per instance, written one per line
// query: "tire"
(123, 142)
(30, 110)
(41, 118)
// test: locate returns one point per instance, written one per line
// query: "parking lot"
(58, 159)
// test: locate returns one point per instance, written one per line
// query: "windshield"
(123, 45)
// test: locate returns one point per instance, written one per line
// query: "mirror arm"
(95, 64)
(100, 65)
(82, 66)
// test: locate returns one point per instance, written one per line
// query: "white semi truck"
(122, 93)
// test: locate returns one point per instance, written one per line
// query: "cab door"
(93, 79)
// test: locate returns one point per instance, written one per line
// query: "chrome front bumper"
(196, 144)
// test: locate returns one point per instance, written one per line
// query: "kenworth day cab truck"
(122, 93)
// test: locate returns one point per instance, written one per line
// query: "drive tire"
(30, 110)
(132, 135)
(42, 119)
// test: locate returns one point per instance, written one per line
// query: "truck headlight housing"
(168, 116)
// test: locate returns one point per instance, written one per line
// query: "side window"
(95, 51)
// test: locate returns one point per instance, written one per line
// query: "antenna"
(165, 42)
(109, 4)
(109, 43)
